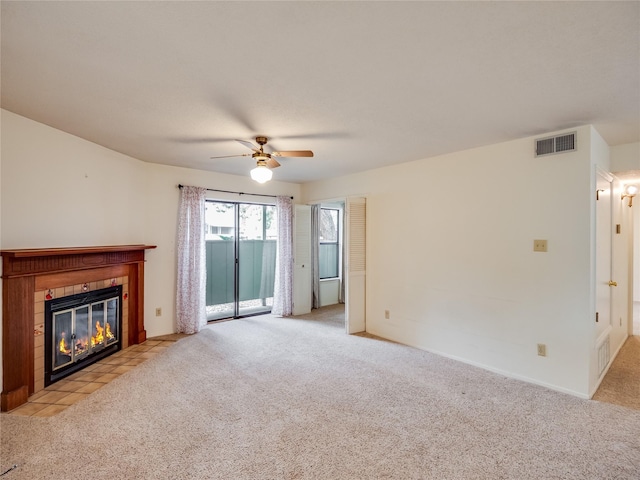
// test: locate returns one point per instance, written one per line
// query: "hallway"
(621, 385)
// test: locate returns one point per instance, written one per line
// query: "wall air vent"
(558, 144)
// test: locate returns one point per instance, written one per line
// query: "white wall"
(625, 157)
(329, 292)
(449, 254)
(58, 190)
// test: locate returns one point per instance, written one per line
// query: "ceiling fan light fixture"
(265, 161)
(261, 173)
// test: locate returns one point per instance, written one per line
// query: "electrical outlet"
(539, 245)
(386, 314)
(542, 350)
(158, 312)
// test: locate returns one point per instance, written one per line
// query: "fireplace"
(80, 330)
(31, 277)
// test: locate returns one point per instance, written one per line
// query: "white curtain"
(283, 288)
(315, 255)
(192, 274)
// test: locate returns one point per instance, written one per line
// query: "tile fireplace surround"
(29, 276)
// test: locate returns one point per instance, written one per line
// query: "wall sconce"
(629, 191)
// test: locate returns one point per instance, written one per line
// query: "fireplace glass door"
(63, 341)
(81, 331)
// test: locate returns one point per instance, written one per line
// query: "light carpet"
(621, 384)
(274, 398)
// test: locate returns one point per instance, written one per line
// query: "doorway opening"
(328, 287)
(348, 226)
(240, 258)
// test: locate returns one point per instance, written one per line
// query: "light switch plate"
(539, 245)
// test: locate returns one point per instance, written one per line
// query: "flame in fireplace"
(98, 338)
(62, 345)
(110, 335)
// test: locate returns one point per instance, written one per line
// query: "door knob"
(612, 283)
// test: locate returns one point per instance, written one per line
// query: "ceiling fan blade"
(293, 153)
(231, 156)
(272, 163)
(249, 145)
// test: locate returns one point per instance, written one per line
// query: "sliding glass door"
(241, 258)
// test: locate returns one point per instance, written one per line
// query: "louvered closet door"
(355, 237)
(302, 260)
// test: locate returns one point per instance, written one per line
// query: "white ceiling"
(362, 84)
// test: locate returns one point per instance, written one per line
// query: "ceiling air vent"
(559, 144)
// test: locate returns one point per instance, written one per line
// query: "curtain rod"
(239, 193)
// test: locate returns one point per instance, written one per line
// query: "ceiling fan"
(264, 160)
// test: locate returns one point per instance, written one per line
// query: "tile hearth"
(59, 396)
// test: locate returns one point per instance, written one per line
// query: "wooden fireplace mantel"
(25, 271)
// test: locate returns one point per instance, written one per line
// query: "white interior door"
(355, 264)
(302, 260)
(604, 233)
